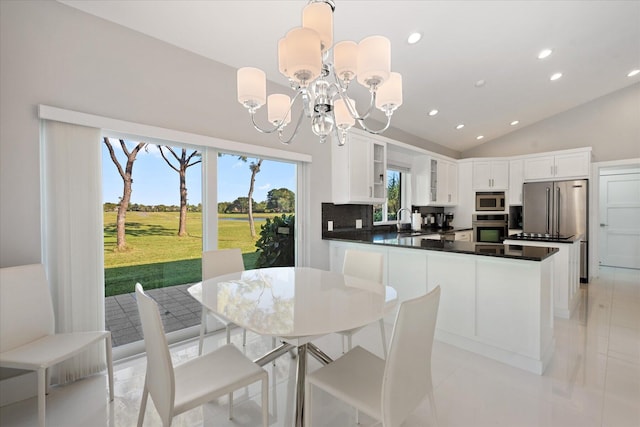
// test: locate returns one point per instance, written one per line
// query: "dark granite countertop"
(546, 238)
(418, 240)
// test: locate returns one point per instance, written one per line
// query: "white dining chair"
(175, 390)
(388, 391)
(369, 266)
(216, 263)
(27, 330)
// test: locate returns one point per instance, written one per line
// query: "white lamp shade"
(345, 59)
(304, 58)
(282, 56)
(374, 60)
(252, 87)
(277, 106)
(389, 95)
(344, 119)
(319, 17)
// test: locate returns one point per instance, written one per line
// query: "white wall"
(609, 124)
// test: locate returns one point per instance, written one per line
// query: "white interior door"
(620, 220)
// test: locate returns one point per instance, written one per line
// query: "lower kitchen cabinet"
(501, 308)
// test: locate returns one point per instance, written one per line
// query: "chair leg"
(434, 412)
(265, 401)
(108, 350)
(42, 378)
(384, 338)
(203, 330)
(244, 337)
(229, 333)
(349, 342)
(231, 405)
(143, 404)
(307, 403)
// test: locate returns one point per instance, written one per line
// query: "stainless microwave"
(490, 201)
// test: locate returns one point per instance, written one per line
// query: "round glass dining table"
(295, 304)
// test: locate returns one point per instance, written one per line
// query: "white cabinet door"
(516, 179)
(491, 175)
(447, 188)
(482, 175)
(456, 276)
(500, 174)
(574, 165)
(359, 171)
(407, 272)
(421, 181)
(536, 168)
(560, 166)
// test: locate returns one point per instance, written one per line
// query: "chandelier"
(308, 58)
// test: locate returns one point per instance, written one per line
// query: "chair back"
(159, 380)
(26, 311)
(407, 374)
(363, 264)
(222, 261)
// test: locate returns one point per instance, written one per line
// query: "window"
(396, 190)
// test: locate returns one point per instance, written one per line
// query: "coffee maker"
(448, 220)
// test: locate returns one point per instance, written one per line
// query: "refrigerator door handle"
(557, 230)
(547, 209)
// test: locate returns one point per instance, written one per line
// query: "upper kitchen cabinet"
(516, 179)
(490, 175)
(561, 165)
(434, 182)
(359, 170)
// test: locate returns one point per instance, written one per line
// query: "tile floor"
(593, 380)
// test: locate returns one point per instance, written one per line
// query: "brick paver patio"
(178, 310)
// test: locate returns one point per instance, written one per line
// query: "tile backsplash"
(345, 216)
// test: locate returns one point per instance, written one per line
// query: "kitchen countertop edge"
(510, 251)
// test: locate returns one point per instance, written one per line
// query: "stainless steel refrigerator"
(559, 209)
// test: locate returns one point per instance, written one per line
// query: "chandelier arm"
(295, 130)
(375, 132)
(281, 125)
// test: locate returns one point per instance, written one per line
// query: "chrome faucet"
(399, 218)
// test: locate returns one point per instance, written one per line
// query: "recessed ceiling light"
(555, 76)
(480, 83)
(460, 126)
(544, 53)
(515, 122)
(433, 112)
(414, 38)
(479, 137)
(633, 73)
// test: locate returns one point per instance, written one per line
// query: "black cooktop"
(540, 236)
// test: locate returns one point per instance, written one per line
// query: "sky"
(154, 182)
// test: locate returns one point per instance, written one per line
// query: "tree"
(184, 162)
(127, 181)
(281, 200)
(255, 168)
(393, 195)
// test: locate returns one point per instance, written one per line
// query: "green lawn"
(156, 257)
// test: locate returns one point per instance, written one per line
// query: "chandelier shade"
(389, 95)
(308, 58)
(319, 17)
(252, 87)
(345, 60)
(303, 55)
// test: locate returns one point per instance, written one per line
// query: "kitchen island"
(497, 300)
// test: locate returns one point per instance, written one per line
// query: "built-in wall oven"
(490, 228)
(490, 201)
